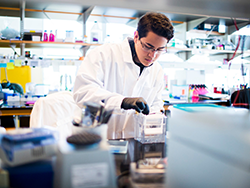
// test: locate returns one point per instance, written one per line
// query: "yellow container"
(18, 75)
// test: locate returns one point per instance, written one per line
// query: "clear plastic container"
(95, 34)
(107, 39)
(150, 128)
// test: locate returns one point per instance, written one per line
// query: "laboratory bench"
(16, 110)
(172, 101)
(45, 169)
(21, 112)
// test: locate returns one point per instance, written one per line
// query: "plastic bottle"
(190, 91)
(55, 36)
(107, 39)
(195, 96)
(51, 36)
(95, 34)
(45, 35)
(85, 39)
(173, 42)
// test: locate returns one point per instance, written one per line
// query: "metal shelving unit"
(42, 44)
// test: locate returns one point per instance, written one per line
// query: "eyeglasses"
(148, 49)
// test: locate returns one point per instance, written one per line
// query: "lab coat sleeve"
(158, 103)
(89, 83)
(56, 110)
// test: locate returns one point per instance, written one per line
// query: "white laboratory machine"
(208, 147)
(85, 159)
(84, 166)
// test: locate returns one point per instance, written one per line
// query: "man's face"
(149, 48)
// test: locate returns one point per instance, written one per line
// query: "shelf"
(215, 33)
(178, 50)
(6, 43)
(40, 44)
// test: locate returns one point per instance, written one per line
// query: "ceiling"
(177, 10)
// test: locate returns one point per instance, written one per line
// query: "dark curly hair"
(157, 23)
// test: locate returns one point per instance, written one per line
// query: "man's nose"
(152, 54)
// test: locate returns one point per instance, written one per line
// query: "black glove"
(138, 104)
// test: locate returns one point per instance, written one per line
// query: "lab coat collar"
(125, 51)
(128, 58)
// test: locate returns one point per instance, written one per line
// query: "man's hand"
(137, 103)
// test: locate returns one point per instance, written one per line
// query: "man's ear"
(136, 36)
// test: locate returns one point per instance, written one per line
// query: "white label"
(89, 175)
(33, 63)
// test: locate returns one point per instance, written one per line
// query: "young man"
(127, 76)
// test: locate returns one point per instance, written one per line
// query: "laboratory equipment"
(118, 146)
(65, 82)
(148, 170)
(84, 138)
(94, 114)
(85, 159)
(38, 174)
(41, 89)
(150, 128)
(149, 150)
(69, 36)
(180, 91)
(25, 145)
(208, 146)
(32, 35)
(84, 166)
(30, 88)
(94, 118)
(17, 88)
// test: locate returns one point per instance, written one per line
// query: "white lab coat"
(109, 73)
(56, 110)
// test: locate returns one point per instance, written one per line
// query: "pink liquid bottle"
(51, 36)
(45, 35)
(195, 97)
